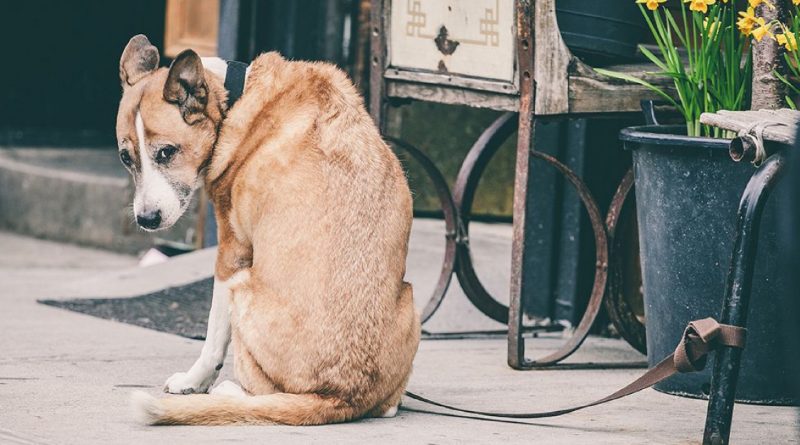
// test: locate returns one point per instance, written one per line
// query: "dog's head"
(167, 126)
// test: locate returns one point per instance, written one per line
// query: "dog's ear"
(138, 59)
(186, 86)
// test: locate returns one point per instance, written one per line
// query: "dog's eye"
(125, 157)
(165, 154)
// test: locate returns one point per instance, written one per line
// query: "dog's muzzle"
(149, 220)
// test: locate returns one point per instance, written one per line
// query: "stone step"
(76, 195)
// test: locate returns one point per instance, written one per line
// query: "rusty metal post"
(525, 155)
(377, 63)
(527, 91)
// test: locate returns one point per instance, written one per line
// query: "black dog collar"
(234, 81)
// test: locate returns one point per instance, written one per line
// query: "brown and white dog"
(314, 214)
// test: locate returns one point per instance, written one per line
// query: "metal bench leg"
(737, 298)
(525, 56)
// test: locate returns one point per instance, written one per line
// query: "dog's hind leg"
(248, 371)
(248, 336)
(406, 332)
(390, 406)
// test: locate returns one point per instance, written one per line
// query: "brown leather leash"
(699, 338)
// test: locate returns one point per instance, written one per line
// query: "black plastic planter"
(601, 32)
(687, 194)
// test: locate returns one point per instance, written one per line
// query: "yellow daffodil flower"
(653, 4)
(747, 20)
(762, 30)
(755, 3)
(788, 40)
(700, 5)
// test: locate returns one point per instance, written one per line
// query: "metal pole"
(525, 45)
(227, 43)
(228, 39)
(737, 298)
(377, 97)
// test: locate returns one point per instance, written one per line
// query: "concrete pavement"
(65, 377)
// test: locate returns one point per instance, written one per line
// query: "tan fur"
(315, 210)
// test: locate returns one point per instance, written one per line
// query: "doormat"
(181, 310)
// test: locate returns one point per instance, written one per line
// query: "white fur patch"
(228, 388)
(239, 277)
(391, 412)
(153, 190)
(218, 335)
(220, 67)
(145, 407)
(216, 66)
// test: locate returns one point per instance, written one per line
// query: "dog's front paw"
(188, 383)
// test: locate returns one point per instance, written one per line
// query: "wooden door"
(191, 24)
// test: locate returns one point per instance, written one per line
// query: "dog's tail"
(203, 409)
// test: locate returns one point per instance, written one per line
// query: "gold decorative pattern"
(489, 25)
(418, 20)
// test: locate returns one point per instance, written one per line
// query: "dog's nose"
(149, 220)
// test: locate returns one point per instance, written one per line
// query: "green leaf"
(636, 80)
(652, 57)
(786, 81)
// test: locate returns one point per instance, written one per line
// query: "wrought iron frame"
(457, 205)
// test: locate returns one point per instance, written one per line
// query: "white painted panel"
(480, 34)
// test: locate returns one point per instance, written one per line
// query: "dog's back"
(301, 174)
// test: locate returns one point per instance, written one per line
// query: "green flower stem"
(714, 73)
